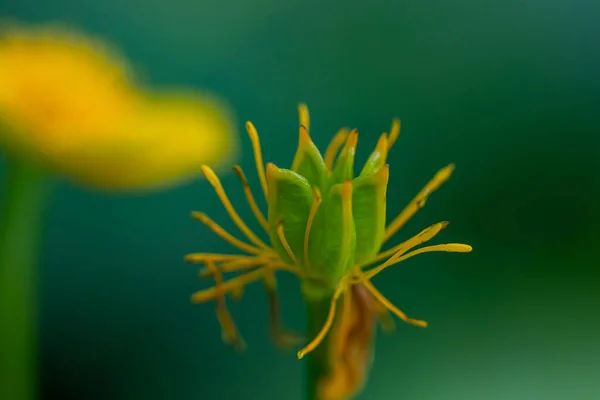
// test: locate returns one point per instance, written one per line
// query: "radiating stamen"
(285, 243)
(311, 217)
(281, 266)
(378, 157)
(304, 116)
(260, 166)
(448, 247)
(386, 303)
(237, 293)
(394, 132)
(419, 201)
(229, 331)
(216, 184)
(420, 238)
(201, 258)
(338, 140)
(328, 322)
(250, 198)
(304, 141)
(228, 286)
(234, 266)
(282, 337)
(385, 319)
(224, 234)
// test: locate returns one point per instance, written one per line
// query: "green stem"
(20, 223)
(317, 360)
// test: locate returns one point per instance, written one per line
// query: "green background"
(508, 90)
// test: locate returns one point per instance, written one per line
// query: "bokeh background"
(508, 90)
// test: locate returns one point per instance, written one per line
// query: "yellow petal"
(56, 84)
(166, 141)
(71, 103)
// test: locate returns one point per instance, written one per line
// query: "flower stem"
(317, 360)
(20, 223)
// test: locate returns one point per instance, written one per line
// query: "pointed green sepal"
(368, 210)
(344, 165)
(289, 198)
(308, 161)
(377, 158)
(333, 237)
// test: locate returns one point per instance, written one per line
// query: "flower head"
(326, 226)
(73, 104)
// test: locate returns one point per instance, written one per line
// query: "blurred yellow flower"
(72, 104)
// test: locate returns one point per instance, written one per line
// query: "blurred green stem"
(20, 224)
(317, 360)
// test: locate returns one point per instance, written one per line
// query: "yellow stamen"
(338, 140)
(394, 132)
(285, 243)
(233, 266)
(229, 286)
(304, 141)
(224, 234)
(237, 294)
(210, 257)
(260, 166)
(311, 217)
(216, 184)
(281, 336)
(420, 238)
(449, 247)
(229, 331)
(250, 198)
(351, 143)
(330, 316)
(383, 146)
(386, 303)
(419, 201)
(280, 266)
(304, 116)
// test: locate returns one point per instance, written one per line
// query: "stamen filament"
(394, 132)
(237, 293)
(338, 140)
(216, 184)
(420, 238)
(285, 243)
(224, 234)
(287, 268)
(201, 258)
(328, 322)
(260, 166)
(229, 331)
(449, 247)
(228, 286)
(386, 303)
(304, 116)
(233, 266)
(250, 198)
(311, 217)
(419, 201)
(281, 336)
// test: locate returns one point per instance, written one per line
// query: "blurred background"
(507, 90)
